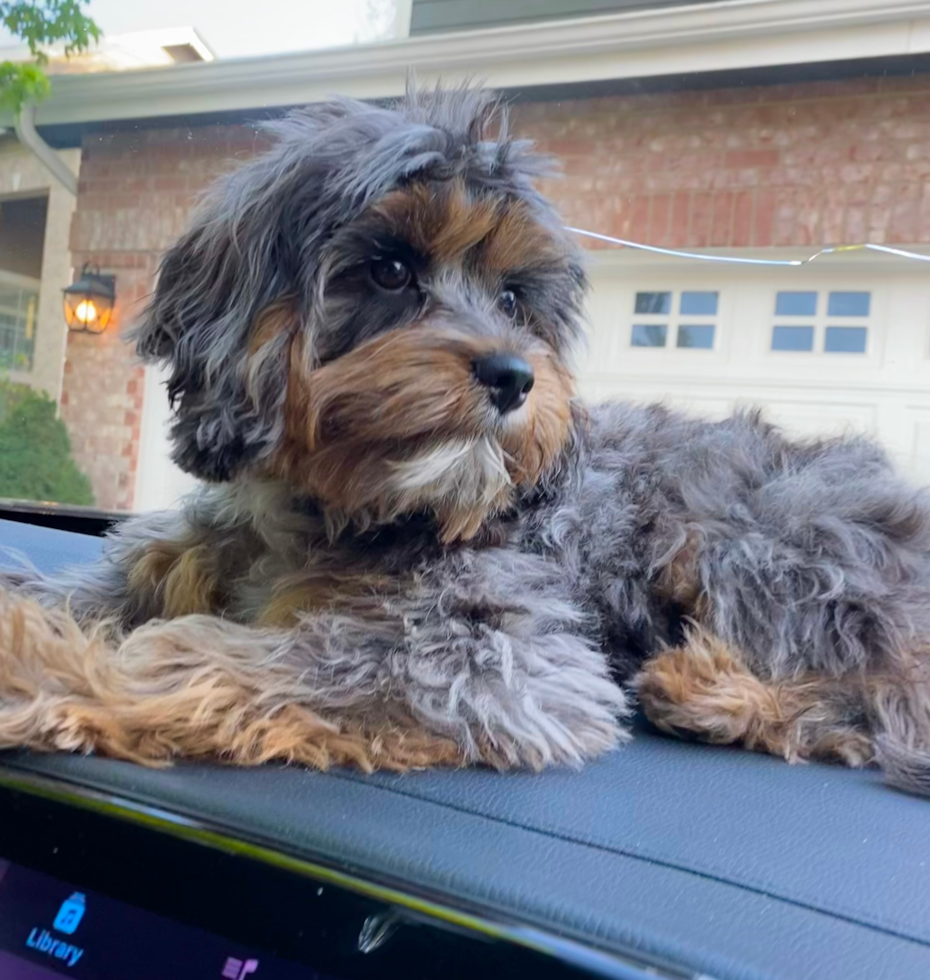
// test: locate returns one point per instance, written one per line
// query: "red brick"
(634, 220)
(659, 219)
(904, 222)
(738, 159)
(743, 219)
(702, 213)
(680, 220)
(722, 219)
(764, 226)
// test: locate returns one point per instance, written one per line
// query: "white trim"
(19, 281)
(856, 262)
(159, 482)
(403, 16)
(732, 34)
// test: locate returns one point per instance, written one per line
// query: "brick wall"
(801, 164)
(782, 165)
(134, 199)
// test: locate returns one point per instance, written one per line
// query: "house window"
(831, 322)
(673, 318)
(19, 306)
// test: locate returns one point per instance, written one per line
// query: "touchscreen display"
(49, 928)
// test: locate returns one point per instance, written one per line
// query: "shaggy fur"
(385, 569)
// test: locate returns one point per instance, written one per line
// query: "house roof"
(122, 52)
(553, 57)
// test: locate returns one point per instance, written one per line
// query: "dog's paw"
(523, 702)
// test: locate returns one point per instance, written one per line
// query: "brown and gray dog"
(414, 546)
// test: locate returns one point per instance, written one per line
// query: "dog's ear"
(252, 254)
(208, 321)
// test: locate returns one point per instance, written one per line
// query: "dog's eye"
(507, 303)
(391, 274)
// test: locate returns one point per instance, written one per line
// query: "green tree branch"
(40, 23)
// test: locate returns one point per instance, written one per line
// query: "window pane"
(649, 335)
(653, 303)
(849, 304)
(696, 335)
(845, 340)
(699, 304)
(18, 310)
(793, 338)
(796, 304)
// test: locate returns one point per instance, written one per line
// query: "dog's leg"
(402, 690)
(157, 565)
(192, 687)
(703, 690)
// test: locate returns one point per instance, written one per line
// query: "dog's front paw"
(523, 702)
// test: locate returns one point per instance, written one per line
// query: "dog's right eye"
(391, 274)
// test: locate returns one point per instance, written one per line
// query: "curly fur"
(387, 571)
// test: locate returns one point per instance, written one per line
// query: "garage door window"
(672, 318)
(833, 322)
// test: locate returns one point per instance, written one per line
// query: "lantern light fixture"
(89, 301)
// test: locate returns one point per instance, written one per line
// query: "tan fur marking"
(178, 576)
(679, 580)
(319, 591)
(272, 322)
(703, 689)
(441, 221)
(533, 446)
(157, 695)
(517, 241)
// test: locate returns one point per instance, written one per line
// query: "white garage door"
(840, 346)
(159, 483)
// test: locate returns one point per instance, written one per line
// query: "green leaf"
(40, 23)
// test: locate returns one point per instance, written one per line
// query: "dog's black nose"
(509, 377)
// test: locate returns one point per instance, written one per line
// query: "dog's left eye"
(507, 303)
(391, 274)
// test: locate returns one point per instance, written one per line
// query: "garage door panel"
(818, 418)
(919, 462)
(159, 482)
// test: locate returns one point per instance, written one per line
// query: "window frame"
(674, 320)
(821, 320)
(14, 280)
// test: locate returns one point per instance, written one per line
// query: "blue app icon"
(70, 914)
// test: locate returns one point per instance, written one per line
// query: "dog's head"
(378, 311)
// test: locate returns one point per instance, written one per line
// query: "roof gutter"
(27, 134)
(726, 35)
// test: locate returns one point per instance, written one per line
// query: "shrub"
(35, 451)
